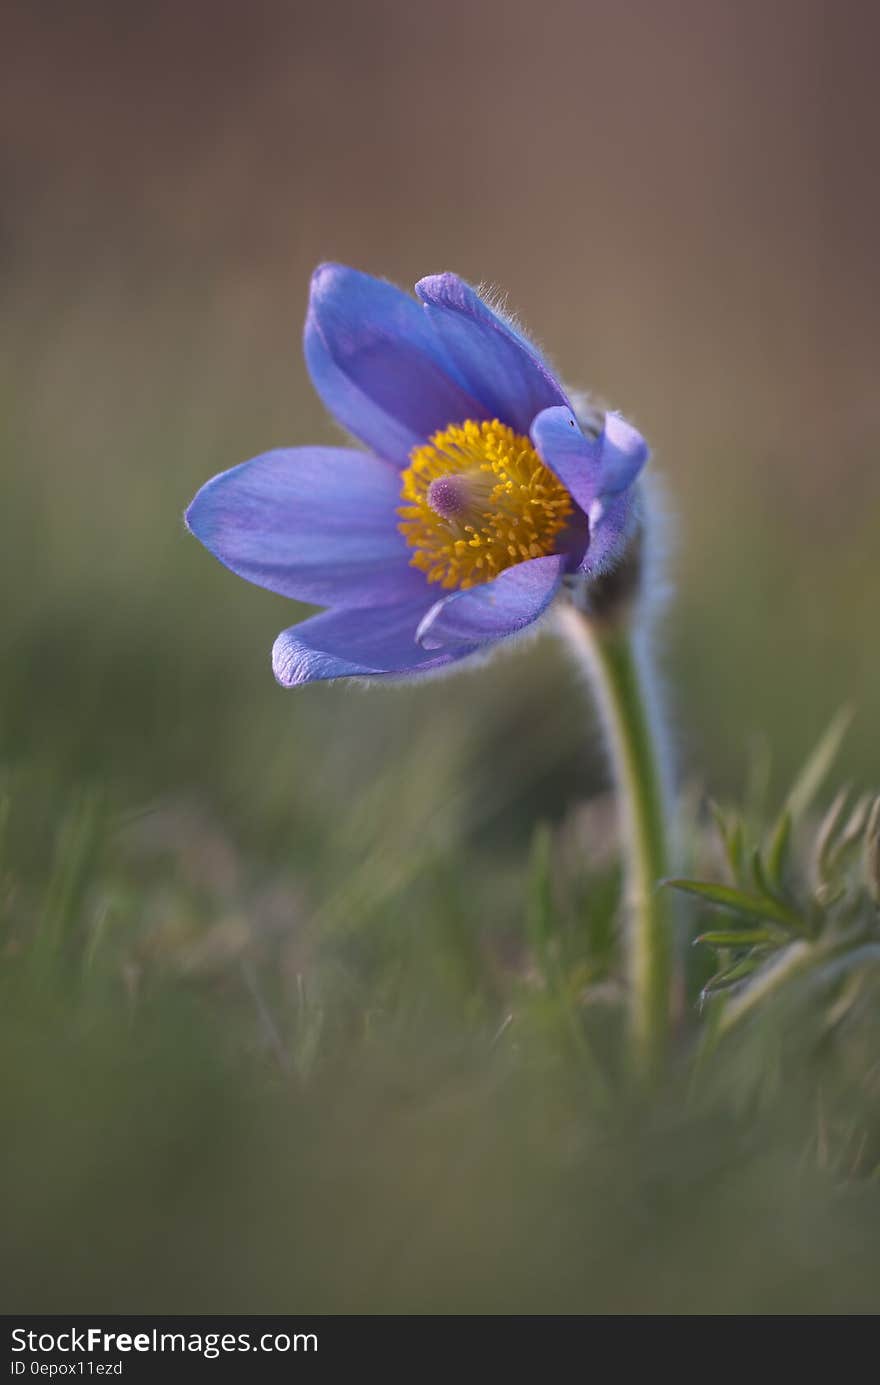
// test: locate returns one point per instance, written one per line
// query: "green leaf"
(730, 830)
(760, 875)
(757, 906)
(809, 781)
(777, 855)
(729, 976)
(737, 937)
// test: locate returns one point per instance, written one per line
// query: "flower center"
(476, 499)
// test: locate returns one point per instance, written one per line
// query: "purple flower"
(479, 496)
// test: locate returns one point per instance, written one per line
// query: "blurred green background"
(255, 1060)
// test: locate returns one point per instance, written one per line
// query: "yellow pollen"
(497, 505)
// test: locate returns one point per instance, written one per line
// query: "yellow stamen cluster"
(508, 506)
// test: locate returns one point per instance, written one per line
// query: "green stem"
(617, 662)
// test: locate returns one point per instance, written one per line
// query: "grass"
(218, 1100)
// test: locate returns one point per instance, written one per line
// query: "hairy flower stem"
(617, 661)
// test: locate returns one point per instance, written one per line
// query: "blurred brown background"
(680, 198)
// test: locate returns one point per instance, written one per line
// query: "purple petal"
(624, 453)
(612, 520)
(356, 644)
(494, 609)
(378, 364)
(315, 523)
(574, 458)
(589, 467)
(497, 365)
